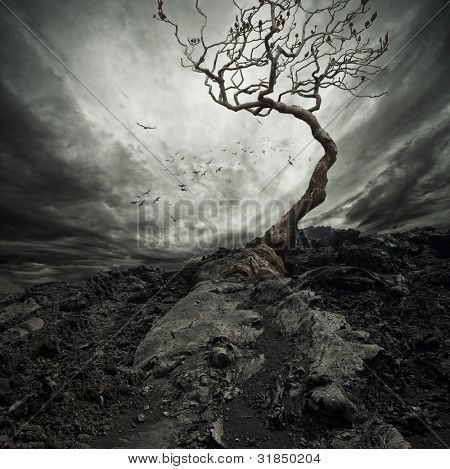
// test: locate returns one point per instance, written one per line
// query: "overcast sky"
(69, 167)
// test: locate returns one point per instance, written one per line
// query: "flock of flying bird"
(183, 165)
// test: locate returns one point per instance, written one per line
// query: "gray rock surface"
(346, 348)
(210, 311)
(200, 346)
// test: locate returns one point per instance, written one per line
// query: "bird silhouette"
(148, 192)
(290, 161)
(174, 219)
(259, 122)
(134, 202)
(219, 169)
(145, 127)
(141, 203)
(156, 200)
(209, 162)
(204, 173)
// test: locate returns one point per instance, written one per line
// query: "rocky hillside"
(346, 345)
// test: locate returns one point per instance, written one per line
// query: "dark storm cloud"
(44, 199)
(59, 208)
(413, 187)
(397, 149)
(67, 173)
(36, 183)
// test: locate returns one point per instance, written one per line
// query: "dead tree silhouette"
(281, 49)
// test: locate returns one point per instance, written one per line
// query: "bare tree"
(278, 50)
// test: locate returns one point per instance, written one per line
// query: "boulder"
(196, 319)
(28, 327)
(29, 305)
(222, 357)
(199, 353)
(260, 261)
(332, 403)
(270, 291)
(333, 352)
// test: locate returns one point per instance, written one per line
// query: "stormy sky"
(72, 157)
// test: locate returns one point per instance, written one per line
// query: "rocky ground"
(348, 346)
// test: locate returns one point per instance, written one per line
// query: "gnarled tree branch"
(296, 51)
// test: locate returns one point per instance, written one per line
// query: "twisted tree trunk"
(281, 237)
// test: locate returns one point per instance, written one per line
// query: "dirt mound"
(348, 347)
